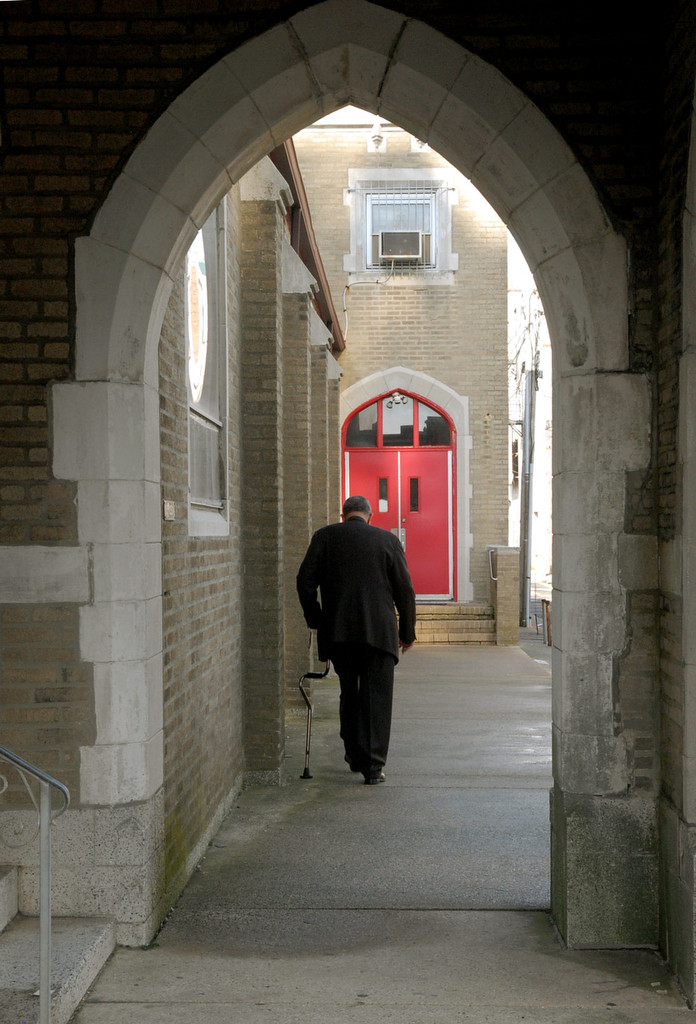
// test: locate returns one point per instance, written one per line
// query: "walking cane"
(309, 675)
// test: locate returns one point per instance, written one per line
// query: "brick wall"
(320, 441)
(263, 229)
(678, 100)
(297, 457)
(202, 602)
(46, 696)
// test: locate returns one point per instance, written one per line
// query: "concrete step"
(451, 610)
(80, 948)
(455, 624)
(8, 895)
(480, 639)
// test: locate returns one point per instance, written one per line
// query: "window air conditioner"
(400, 245)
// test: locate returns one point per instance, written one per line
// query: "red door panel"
(413, 499)
(425, 505)
(375, 475)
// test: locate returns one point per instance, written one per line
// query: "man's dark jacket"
(362, 574)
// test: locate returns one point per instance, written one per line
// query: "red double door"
(410, 491)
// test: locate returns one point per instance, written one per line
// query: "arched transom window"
(398, 420)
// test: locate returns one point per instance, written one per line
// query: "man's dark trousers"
(366, 675)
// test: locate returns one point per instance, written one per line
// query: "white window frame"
(358, 262)
(212, 520)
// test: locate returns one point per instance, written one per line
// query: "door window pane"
(362, 429)
(433, 429)
(414, 498)
(397, 421)
(383, 494)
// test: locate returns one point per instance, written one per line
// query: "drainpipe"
(527, 482)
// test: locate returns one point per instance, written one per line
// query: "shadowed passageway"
(422, 900)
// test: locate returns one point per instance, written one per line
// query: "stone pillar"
(297, 454)
(107, 438)
(321, 513)
(334, 437)
(604, 851)
(505, 594)
(262, 191)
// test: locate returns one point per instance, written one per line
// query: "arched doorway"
(325, 56)
(398, 451)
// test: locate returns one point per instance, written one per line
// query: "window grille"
(401, 225)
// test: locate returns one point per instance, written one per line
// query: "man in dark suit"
(361, 574)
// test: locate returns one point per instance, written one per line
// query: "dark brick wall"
(678, 94)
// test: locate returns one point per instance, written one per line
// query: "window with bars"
(401, 224)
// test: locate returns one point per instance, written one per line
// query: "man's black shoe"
(374, 778)
(351, 764)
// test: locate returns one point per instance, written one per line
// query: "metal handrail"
(490, 565)
(46, 817)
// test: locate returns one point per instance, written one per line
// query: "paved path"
(422, 900)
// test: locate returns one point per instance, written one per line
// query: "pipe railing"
(46, 815)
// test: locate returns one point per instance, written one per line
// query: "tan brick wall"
(46, 696)
(297, 453)
(263, 228)
(456, 333)
(320, 439)
(202, 604)
(334, 449)
(504, 591)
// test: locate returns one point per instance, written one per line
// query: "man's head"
(357, 505)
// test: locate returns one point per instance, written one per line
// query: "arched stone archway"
(333, 53)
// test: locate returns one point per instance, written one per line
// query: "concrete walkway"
(420, 901)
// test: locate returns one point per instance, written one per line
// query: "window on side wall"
(206, 361)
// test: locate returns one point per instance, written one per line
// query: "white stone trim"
(296, 278)
(36, 575)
